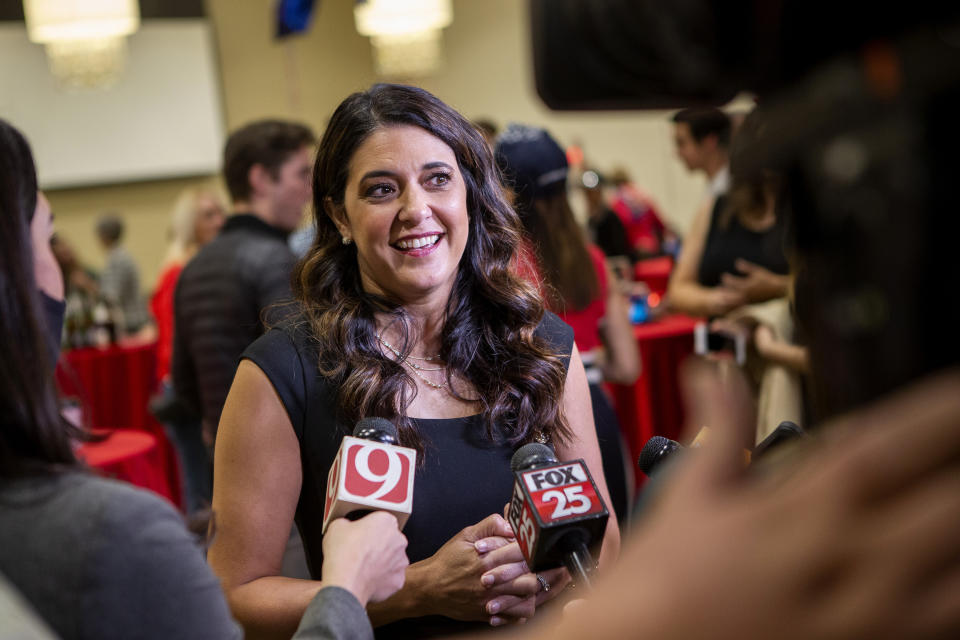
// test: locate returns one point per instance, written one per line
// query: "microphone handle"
(580, 564)
(356, 514)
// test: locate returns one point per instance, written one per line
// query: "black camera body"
(861, 104)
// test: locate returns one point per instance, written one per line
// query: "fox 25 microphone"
(556, 511)
(370, 473)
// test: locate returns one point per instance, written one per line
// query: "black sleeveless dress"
(464, 478)
(725, 244)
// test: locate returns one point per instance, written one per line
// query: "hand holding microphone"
(367, 557)
(371, 480)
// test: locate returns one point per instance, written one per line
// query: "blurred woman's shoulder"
(99, 557)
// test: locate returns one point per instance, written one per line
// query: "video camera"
(860, 106)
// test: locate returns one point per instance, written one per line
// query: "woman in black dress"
(409, 308)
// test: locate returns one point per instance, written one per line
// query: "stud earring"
(346, 240)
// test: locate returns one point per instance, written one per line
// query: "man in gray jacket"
(120, 279)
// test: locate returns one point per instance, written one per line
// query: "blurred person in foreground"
(409, 309)
(197, 217)
(98, 558)
(854, 537)
(577, 284)
(852, 533)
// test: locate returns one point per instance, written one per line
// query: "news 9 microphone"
(556, 511)
(370, 473)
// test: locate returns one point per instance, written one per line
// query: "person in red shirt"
(647, 235)
(576, 283)
(196, 219)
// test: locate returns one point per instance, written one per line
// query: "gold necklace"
(415, 367)
(397, 351)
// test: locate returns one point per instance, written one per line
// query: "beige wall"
(488, 73)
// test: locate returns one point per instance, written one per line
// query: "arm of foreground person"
(858, 540)
(334, 614)
(363, 561)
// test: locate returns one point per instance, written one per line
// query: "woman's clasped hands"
(480, 574)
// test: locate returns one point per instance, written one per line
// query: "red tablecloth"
(132, 456)
(652, 405)
(655, 272)
(114, 386)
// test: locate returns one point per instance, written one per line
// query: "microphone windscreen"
(532, 455)
(378, 429)
(653, 452)
(784, 433)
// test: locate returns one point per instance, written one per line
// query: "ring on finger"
(544, 585)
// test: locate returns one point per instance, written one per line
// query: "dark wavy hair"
(562, 253)
(488, 334)
(33, 436)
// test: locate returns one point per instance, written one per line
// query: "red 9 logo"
(377, 473)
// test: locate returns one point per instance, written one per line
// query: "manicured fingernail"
(481, 546)
(487, 579)
(493, 606)
(496, 622)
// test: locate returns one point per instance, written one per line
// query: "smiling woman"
(409, 309)
(405, 207)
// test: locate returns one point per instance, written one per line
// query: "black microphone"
(376, 429)
(556, 512)
(658, 449)
(785, 432)
(370, 473)
(531, 456)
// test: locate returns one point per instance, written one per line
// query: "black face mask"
(53, 311)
